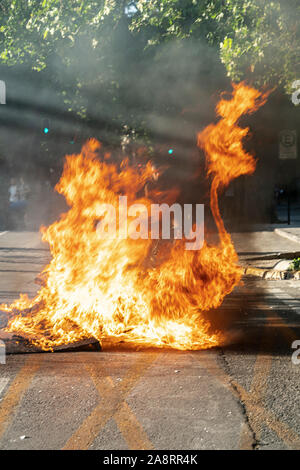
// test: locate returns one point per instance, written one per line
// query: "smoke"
(161, 97)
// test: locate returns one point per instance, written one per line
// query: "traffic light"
(73, 140)
(170, 151)
(46, 126)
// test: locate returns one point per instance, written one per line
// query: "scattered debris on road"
(16, 344)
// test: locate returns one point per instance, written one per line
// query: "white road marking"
(3, 383)
(3, 233)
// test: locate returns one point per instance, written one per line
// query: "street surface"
(244, 395)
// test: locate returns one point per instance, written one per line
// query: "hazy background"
(148, 74)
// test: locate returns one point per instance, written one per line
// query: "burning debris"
(100, 288)
(18, 344)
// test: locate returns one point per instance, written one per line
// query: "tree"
(257, 40)
(31, 30)
(94, 58)
(264, 43)
(109, 63)
(78, 48)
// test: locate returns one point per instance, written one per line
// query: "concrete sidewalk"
(262, 247)
(290, 232)
(263, 241)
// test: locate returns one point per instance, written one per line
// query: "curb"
(288, 235)
(271, 273)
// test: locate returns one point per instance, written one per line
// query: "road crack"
(249, 431)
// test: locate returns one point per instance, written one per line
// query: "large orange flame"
(105, 288)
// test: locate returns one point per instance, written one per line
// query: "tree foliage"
(33, 29)
(257, 39)
(254, 36)
(97, 54)
(264, 40)
(75, 45)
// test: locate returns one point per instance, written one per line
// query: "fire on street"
(149, 229)
(241, 396)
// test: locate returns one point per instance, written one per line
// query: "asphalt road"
(242, 396)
